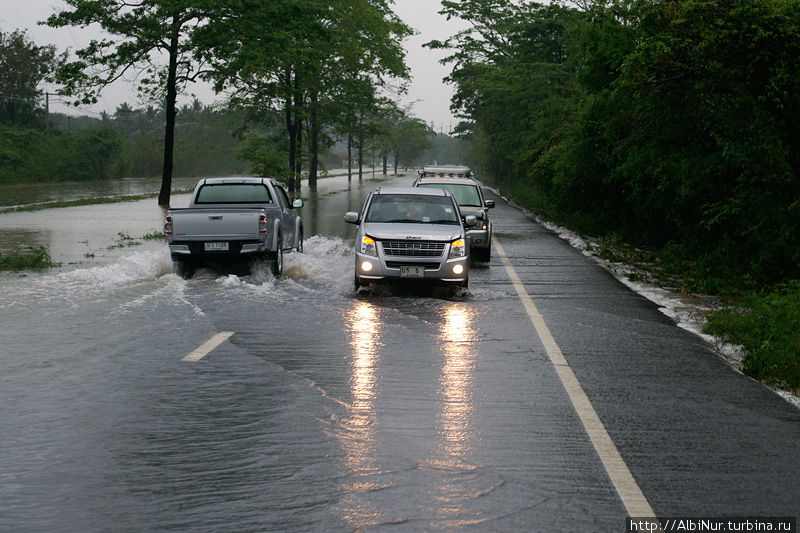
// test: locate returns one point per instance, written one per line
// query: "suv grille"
(413, 248)
(426, 266)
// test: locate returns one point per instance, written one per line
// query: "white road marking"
(208, 346)
(621, 477)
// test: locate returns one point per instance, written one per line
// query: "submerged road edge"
(618, 472)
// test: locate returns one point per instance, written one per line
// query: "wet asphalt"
(385, 410)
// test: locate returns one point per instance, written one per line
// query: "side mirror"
(297, 203)
(351, 217)
(489, 203)
(470, 221)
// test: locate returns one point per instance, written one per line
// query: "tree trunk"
(297, 171)
(298, 162)
(360, 160)
(312, 171)
(360, 149)
(385, 163)
(349, 157)
(290, 128)
(169, 130)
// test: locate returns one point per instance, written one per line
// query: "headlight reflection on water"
(358, 439)
(456, 380)
(447, 463)
(453, 499)
(365, 341)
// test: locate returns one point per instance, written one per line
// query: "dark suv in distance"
(459, 182)
(411, 234)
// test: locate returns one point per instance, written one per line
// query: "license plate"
(412, 272)
(216, 247)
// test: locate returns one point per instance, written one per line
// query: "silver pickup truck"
(234, 219)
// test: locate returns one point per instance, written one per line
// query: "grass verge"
(767, 326)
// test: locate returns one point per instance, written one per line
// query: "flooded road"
(327, 410)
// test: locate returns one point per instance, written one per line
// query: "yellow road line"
(208, 346)
(621, 477)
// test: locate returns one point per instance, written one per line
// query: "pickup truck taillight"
(262, 224)
(168, 226)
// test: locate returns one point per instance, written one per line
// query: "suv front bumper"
(371, 269)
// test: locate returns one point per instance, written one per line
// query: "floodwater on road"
(326, 409)
(330, 410)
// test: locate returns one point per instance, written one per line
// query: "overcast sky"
(428, 96)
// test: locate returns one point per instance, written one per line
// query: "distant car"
(469, 195)
(411, 233)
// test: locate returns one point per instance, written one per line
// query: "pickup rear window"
(233, 193)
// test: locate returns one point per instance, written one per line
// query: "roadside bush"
(26, 258)
(767, 326)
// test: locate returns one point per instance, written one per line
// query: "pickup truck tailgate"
(215, 224)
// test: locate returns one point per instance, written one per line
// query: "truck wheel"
(356, 283)
(483, 254)
(300, 242)
(277, 260)
(183, 268)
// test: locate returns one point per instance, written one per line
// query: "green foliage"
(26, 258)
(767, 326)
(127, 145)
(140, 34)
(137, 33)
(320, 64)
(409, 139)
(265, 157)
(153, 236)
(33, 155)
(672, 124)
(23, 66)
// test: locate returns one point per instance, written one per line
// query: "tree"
(411, 137)
(142, 33)
(296, 56)
(514, 61)
(23, 66)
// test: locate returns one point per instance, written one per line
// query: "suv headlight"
(458, 248)
(368, 246)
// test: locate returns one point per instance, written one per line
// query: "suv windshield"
(412, 208)
(466, 195)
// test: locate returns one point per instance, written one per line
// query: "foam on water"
(135, 278)
(325, 267)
